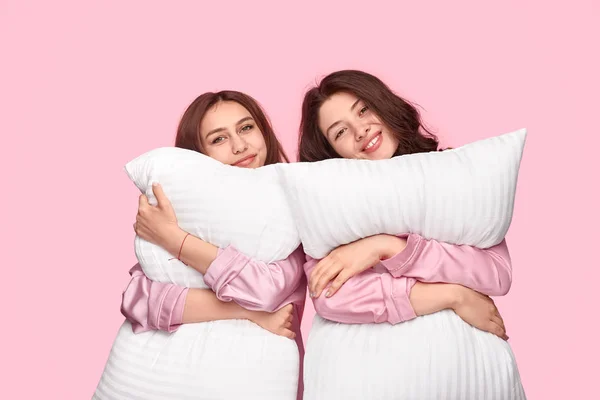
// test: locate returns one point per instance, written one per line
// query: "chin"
(381, 154)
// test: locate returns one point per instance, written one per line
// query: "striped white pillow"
(221, 204)
(460, 196)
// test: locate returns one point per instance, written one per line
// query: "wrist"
(388, 246)
(232, 310)
(454, 295)
(251, 316)
(173, 240)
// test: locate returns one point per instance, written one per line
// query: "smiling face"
(353, 130)
(229, 134)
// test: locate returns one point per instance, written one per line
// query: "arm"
(150, 305)
(256, 285)
(488, 271)
(158, 225)
(372, 297)
(233, 276)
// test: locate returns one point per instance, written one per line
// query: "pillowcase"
(221, 204)
(460, 196)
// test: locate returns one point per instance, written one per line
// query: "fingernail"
(328, 294)
(312, 294)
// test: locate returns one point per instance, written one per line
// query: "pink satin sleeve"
(369, 297)
(256, 285)
(151, 305)
(260, 286)
(488, 271)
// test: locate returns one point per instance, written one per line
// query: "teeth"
(372, 142)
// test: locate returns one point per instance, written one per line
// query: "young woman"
(230, 127)
(352, 114)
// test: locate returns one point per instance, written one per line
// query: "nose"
(362, 132)
(238, 145)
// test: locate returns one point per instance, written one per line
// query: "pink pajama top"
(381, 294)
(233, 276)
(377, 295)
(370, 297)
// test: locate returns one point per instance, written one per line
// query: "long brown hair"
(399, 115)
(188, 131)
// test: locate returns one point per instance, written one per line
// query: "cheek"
(390, 145)
(391, 139)
(258, 141)
(220, 153)
(344, 147)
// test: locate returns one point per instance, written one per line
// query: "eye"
(218, 140)
(363, 110)
(247, 128)
(339, 133)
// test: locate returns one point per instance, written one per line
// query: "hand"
(480, 311)
(351, 259)
(279, 322)
(156, 224)
(472, 307)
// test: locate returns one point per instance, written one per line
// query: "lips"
(373, 143)
(244, 162)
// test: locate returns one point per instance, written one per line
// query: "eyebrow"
(337, 122)
(217, 130)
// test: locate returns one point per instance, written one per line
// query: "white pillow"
(223, 205)
(460, 196)
(218, 203)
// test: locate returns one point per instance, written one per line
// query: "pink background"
(86, 88)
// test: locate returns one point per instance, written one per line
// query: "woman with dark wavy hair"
(402, 317)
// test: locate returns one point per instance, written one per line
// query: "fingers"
(143, 201)
(337, 283)
(288, 334)
(497, 314)
(330, 273)
(288, 310)
(497, 320)
(285, 314)
(497, 330)
(316, 274)
(161, 199)
(288, 307)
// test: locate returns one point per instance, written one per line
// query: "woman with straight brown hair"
(402, 317)
(232, 128)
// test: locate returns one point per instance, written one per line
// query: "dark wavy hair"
(399, 115)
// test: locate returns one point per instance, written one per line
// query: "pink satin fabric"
(376, 296)
(380, 294)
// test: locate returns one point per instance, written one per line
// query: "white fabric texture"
(218, 203)
(459, 196)
(432, 357)
(462, 196)
(227, 360)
